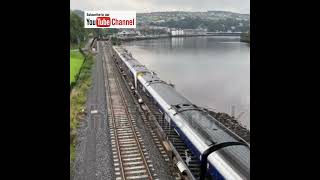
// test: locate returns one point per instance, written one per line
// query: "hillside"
(211, 20)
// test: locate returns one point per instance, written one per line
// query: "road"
(93, 152)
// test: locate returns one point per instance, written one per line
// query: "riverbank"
(245, 38)
(232, 124)
(137, 38)
(245, 41)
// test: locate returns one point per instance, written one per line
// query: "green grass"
(78, 98)
(76, 60)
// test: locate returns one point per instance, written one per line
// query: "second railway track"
(131, 160)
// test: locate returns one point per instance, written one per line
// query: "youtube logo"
(110, 19)
(103, 21)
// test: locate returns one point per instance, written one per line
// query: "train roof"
(212, 131)
(207, 126)
(132, 62)
(239, 153)
(166, 91)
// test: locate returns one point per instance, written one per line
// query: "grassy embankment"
(76, 60)
(78, 95)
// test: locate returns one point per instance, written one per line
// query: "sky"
(239, 6)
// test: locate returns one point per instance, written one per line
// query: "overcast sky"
(240, 6)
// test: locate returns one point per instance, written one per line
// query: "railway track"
(150, 126)
(131, 160)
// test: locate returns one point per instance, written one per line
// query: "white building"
(177, 32)
(128, 33)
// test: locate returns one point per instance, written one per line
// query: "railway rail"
(131, 160)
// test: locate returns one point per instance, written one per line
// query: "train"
(221, 153)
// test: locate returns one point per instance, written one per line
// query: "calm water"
(210, 71)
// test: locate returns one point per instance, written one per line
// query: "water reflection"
(176, 43)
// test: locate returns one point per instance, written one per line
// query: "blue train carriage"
(199, 132)
(222, 154)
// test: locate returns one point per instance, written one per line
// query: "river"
(210, 71)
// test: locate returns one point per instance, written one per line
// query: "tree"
(77, 31)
